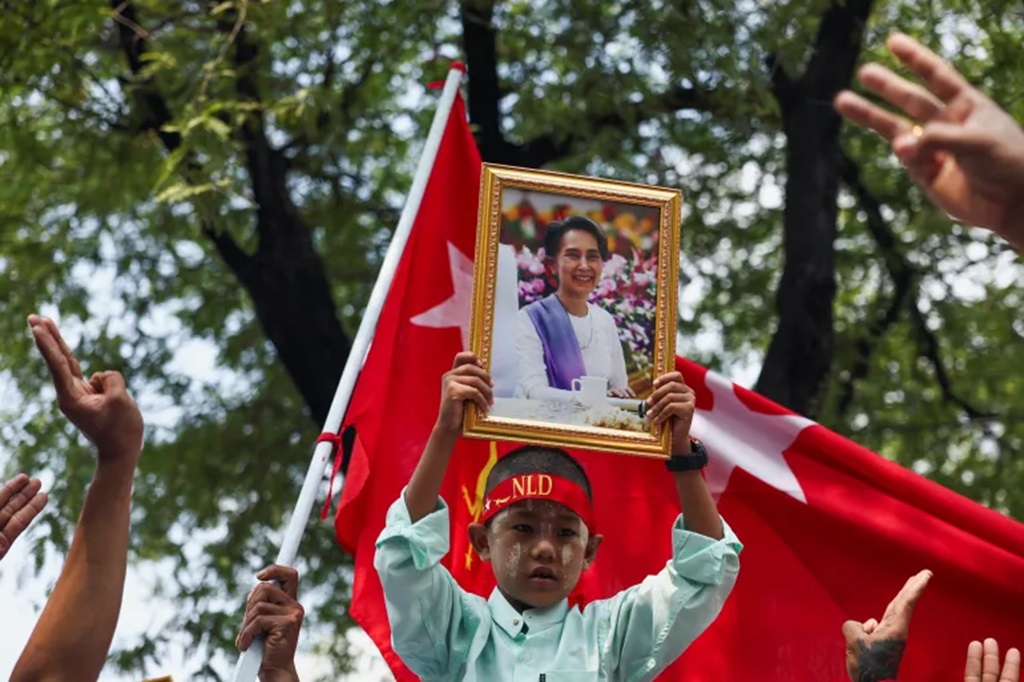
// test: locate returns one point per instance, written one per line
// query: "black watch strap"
(695, 461)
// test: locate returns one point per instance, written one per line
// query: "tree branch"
(903, 274)
(333, 117)
(900, 271)
(485, 94)
(285, 277)
(931, 352)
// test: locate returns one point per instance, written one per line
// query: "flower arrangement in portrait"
(523, 225)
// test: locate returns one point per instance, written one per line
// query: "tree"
(227, 175)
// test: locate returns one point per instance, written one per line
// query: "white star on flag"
(752, 441)
(454, 311)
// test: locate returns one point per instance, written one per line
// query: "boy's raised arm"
(427, 615)
(652, 623)
(467, 380)
(71, 639)
(674, 402)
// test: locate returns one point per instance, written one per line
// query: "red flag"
(423, 325)
(831, 531)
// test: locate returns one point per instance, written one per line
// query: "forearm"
(74, 632)
(425, 485)
(280, 676)
(699, 511)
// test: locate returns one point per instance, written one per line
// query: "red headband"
(539, 487)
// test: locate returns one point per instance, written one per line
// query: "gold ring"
(917, 130)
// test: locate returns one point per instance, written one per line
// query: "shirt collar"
(513, 622)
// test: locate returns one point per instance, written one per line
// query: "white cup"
(590, 391)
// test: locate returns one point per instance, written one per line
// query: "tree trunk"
(799, 356)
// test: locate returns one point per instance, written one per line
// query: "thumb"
(852, 631)
(108, 382)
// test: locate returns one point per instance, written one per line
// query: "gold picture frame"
(639, 225)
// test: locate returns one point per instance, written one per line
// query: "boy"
(537, 532)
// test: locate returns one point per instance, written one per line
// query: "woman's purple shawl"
(562, 356)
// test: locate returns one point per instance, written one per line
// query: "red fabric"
(835, 542)
(335, 440)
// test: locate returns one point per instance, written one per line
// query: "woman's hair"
(536, 459)
(557, 229)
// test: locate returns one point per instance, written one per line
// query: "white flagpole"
(249, 661)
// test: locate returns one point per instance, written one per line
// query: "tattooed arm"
(874, 648)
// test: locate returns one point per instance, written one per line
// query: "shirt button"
(515, 622)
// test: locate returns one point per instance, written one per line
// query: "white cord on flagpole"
(249, 661)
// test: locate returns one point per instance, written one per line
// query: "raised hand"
(99, 406)
(874, 648)
(273, 610)
(466, 381)
(20, 502)
(965, 151)
(91, 584)
(983, 663)
(673, 400)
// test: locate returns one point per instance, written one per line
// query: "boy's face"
(538, 549)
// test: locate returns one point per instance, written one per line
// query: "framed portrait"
(574, 308)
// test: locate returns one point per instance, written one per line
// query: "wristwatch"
(695, 461)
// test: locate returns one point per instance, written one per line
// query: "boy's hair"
(535, 459)
(556, 230)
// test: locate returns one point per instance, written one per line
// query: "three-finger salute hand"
(100, 406)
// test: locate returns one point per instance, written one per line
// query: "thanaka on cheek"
(512, 562)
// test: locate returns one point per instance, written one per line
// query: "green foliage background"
(100, 225)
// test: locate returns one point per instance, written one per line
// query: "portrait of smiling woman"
(563, 336)
(572, 315)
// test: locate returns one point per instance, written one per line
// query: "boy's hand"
(673, 399)
(874, 648)
(966, 153)
(275, 612)
(20, 502)
(467, 380)
(99, 407)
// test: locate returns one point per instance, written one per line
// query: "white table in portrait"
(548, 404)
